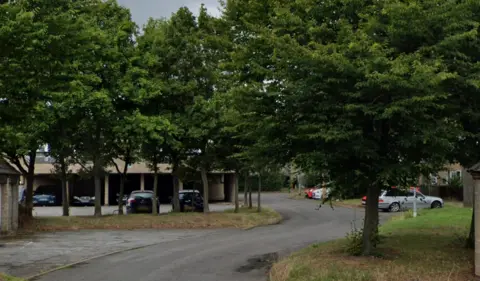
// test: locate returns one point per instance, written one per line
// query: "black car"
(83, 201)
(141, 201)
(44, 200)
(186, 204)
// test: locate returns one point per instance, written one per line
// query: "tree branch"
(116, 166)
(25, 161)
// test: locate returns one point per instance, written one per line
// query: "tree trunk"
(121, 194)
(123, 179)
(155, 191)
(245, 191)
(203, 172)
(370, 227)
(176, 189)
(250, 203)
(237, 207)
(98, 193)
(65, 199)
(470, 243)
(259, 202)
(30, 178)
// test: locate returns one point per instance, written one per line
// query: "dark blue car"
(44, 200)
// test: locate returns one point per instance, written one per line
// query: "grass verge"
(4, 277)
(246, 218)
(426, 248)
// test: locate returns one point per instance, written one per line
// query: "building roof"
(7, 169)
(474, 168)
(46, 168)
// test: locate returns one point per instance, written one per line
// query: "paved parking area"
(28, 256)
(109, 210)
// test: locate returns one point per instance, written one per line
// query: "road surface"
(232, 255)
(108, 210)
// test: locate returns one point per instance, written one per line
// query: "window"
(455, 174)
(145, 195)
(433, 179)
(396, 192)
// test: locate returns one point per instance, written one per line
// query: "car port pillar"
(106, 190)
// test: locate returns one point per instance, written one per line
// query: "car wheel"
(394, 207)
(436, 205)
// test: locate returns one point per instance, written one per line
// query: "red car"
(309, 192)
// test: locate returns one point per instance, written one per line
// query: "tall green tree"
(115, 31)
(181, 61)
(41, 70)
(341, 93)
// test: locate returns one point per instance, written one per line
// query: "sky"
(143, 9)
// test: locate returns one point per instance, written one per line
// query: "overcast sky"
(143, 9)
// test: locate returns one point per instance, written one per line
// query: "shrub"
(354, 240)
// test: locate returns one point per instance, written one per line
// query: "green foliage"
(354, 245)
(271, 181)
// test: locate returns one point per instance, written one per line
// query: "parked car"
(185, 198)
(309, 192)
(44, 200)
(318, 194)
(141, 201)
(83, 201)
(396, 199)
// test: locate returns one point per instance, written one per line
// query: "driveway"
(212, 255)
(108, 210)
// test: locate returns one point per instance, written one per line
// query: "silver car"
(395, 199)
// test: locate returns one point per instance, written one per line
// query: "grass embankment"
(246, 218)
(427, 248)
(4, 277)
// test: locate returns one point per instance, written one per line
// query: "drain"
(259, 262)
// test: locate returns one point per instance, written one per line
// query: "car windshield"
(142, 194)
(185, 195)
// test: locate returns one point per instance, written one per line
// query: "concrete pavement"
(212, 255)
(108, 210)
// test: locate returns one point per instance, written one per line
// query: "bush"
(354, 241)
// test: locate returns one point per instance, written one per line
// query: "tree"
(112, 56)
(127, 139)
(455, 39)
(41, 71)
(182, 59)
(166, 57)
(341, 93)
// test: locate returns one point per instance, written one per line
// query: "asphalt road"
(232, 255)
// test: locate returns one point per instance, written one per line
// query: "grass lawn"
(247, 218)
(4, 277)
(426, 248)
